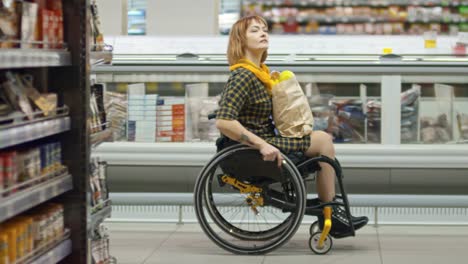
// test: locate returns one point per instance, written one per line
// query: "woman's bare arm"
(236, 131)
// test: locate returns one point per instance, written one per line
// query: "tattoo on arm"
(245, 140)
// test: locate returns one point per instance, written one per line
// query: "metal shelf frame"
(67, 72)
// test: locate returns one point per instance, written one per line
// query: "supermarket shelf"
(56, 254)
(357, 19)
(28, 58)
(304, 4)
(28, 198)
(350, 156)
(99, 215)
(51, 252)
(22, 132)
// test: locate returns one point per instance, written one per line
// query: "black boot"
(358, 221)
(340, 223)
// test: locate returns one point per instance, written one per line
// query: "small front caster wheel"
(314, 244)
(314, 228)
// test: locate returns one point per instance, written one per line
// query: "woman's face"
(257, 36)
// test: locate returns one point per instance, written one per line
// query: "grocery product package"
(9, 24)
(198, 106)
(291, 111)
(437, 116)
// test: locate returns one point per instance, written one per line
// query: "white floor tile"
(154, 243)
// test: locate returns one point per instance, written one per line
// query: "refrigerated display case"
(377, 108)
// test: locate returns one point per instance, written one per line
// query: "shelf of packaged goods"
(29, 58)
(305, 5)
(54, 252)
(358, 20)
(44, 189)
(13, 132)
(99, 213)
(350, 155)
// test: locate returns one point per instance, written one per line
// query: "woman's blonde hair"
(238, 39)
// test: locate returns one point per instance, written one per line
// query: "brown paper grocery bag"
(291, 111)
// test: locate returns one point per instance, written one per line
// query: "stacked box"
(141, 115)
(9, 171)
(170, 119)
(28, 164)
(51, 158)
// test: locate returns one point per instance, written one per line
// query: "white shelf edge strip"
(14, 58)
(56, 254)
(21, 134)
(350, 156)
(28, 198)
(367, 200)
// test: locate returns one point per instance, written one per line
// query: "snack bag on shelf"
(29, 21)
(34, 95)
(56, 14)
(16, 95)
(9, 24)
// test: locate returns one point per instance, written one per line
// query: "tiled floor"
(136, 243)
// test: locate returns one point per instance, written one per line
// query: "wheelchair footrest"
(341, 235)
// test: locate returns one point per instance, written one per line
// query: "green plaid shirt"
(246, 100)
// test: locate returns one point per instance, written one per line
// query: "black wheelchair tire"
(281, 236)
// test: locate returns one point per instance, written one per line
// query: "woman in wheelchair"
(244, 116)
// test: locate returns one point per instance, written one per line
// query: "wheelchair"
(246, 205)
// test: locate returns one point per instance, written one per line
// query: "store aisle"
(151, 243)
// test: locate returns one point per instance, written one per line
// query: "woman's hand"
(271, 153)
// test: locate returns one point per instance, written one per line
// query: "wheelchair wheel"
(245, 212)
(314, 228)
(314, 244)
